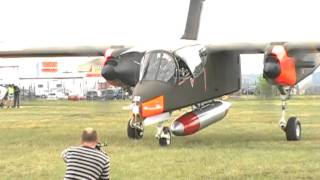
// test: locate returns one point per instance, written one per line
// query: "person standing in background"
(3, 94)
(10, 96)
(16, 99)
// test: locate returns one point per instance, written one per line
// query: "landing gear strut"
(292, 128)
(134, 130)
(164, 135)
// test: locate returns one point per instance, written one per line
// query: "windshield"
(157, 65)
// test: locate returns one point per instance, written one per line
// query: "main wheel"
(165, 137)
(134, 133)
(293, 129)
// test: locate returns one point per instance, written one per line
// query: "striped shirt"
(85, 163)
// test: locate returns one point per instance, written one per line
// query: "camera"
(100, 145)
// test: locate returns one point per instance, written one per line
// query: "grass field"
(247, 144)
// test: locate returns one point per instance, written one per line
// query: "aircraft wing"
(119, 73)
(239, 48)
(285, 63)
(59, 51)
(259, 48)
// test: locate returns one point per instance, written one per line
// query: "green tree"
(264, 89)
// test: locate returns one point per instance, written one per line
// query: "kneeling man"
(86, 161)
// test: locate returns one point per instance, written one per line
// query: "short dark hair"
(89, 135)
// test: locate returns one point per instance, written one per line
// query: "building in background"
(316, 78)
(313, 87)
(63, 76)
(249, 83)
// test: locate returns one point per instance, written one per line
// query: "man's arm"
(105, 171)
(64, 155)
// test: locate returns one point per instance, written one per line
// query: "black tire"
(293, 129)
(165, 141)
(134, 133)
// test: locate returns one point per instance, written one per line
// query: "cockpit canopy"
(169, 66)
(157, 65)
(195, 57)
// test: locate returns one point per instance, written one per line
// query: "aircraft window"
(158, 66)
(184, 72)
(153, 67)
(195, 58)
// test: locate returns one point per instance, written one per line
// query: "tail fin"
(193, 21)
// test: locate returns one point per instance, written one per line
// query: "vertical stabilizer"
(193, 21)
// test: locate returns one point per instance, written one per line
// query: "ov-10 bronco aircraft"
(174, 76)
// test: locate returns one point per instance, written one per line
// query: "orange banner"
(50, 64)
(49, 70)
(49, 67)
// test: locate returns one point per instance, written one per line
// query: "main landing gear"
(163, 134)
(292, 127)
(135, 130)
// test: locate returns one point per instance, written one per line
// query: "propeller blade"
(58, 51)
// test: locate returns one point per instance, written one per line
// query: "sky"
(134, 22)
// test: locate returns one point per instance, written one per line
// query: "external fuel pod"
(198, 119)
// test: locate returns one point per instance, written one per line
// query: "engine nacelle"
(279, 68)
(122, 68)
(198, 119)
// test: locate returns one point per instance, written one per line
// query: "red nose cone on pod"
(186, 124)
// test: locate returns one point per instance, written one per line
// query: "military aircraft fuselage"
(169, 81)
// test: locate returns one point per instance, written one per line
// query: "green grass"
(247, 144)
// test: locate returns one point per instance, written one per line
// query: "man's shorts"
(10, 97)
